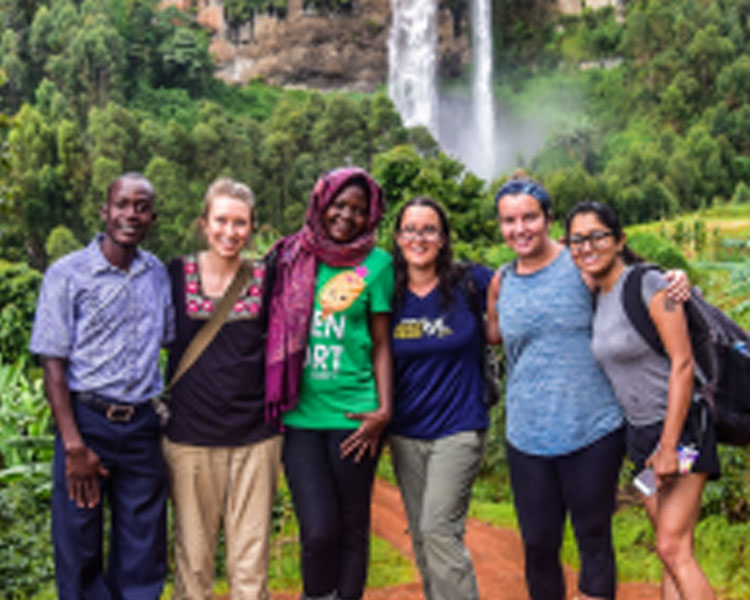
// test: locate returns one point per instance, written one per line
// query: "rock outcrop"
(575, 7)
(345, 51)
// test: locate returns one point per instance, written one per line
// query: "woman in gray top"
(667, 432)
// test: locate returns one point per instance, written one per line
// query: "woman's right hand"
(367, 435)
(664, 462)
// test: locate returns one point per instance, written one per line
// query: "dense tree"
(19, 286)
(36, 203)
(121, 85)
(184, 60)
(14, 68)
(60, 242)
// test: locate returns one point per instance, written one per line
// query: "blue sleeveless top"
(558, 397)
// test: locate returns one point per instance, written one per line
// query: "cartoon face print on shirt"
(341, 291)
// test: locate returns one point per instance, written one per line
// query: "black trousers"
(548, 488)
(331, 498)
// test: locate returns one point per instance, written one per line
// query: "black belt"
(117, 412)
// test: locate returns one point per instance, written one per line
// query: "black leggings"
(331, 498)
(545, 489)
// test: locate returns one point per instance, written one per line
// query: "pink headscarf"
(291, 306)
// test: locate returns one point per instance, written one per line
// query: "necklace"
(423, 288)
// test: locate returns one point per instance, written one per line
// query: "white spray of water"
(487, 142)
(412, 59)
(467, 131)
(483, 156)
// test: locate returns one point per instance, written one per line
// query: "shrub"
(26, 563)
(60, 242)
(19, 287)
(657, 250)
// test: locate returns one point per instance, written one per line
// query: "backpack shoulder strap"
(507, 268)
(469, 288)
(471, 291)
(504, 270)
(636, 310)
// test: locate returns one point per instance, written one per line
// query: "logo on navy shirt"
(417, 329)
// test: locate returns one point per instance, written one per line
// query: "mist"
(523, 125)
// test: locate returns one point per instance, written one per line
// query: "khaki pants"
(435, 477)
(233, 486)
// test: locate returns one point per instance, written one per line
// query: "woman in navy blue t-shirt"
(440, 418)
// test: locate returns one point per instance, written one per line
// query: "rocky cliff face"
(306, 49)
(315, 50)
(575, 7)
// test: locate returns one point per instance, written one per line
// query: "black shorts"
(698, 430)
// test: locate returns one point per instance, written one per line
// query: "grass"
(499, 514)
(722, 548)
(715, 241)
(388, 567)
(723, 220)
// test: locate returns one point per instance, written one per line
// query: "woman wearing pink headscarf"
(329, 375)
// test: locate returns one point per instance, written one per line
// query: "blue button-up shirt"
(108, 323)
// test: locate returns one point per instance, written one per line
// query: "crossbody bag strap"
(208, 332)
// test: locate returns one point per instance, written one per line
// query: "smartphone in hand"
(645, 482)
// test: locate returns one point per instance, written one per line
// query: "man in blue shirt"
(103, 313)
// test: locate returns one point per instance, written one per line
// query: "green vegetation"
(101, 88)
(25, 485)
(659, 133)
(19, 285)
(26, 565)
(658, 128)
(662, 129)
(721, 548)
(387, 566)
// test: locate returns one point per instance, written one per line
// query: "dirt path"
(497, 554)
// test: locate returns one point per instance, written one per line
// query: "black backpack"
(721, 349)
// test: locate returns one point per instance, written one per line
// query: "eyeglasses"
(429, 234)
(597, 239)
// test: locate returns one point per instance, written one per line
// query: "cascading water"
(482, 98)
(465, 129)
(412, 44)
(467, 125)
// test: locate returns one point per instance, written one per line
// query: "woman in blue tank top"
(564, 427)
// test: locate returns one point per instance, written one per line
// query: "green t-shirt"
(338, 376)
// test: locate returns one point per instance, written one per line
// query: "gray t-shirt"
(639, 375)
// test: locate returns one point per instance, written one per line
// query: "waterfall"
(482, 97)
(412, 44)
(466, 129)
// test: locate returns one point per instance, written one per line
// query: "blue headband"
(524, 186)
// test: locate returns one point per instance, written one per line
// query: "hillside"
(98, 87)
(327, 45)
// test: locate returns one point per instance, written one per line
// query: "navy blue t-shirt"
(439, 386)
